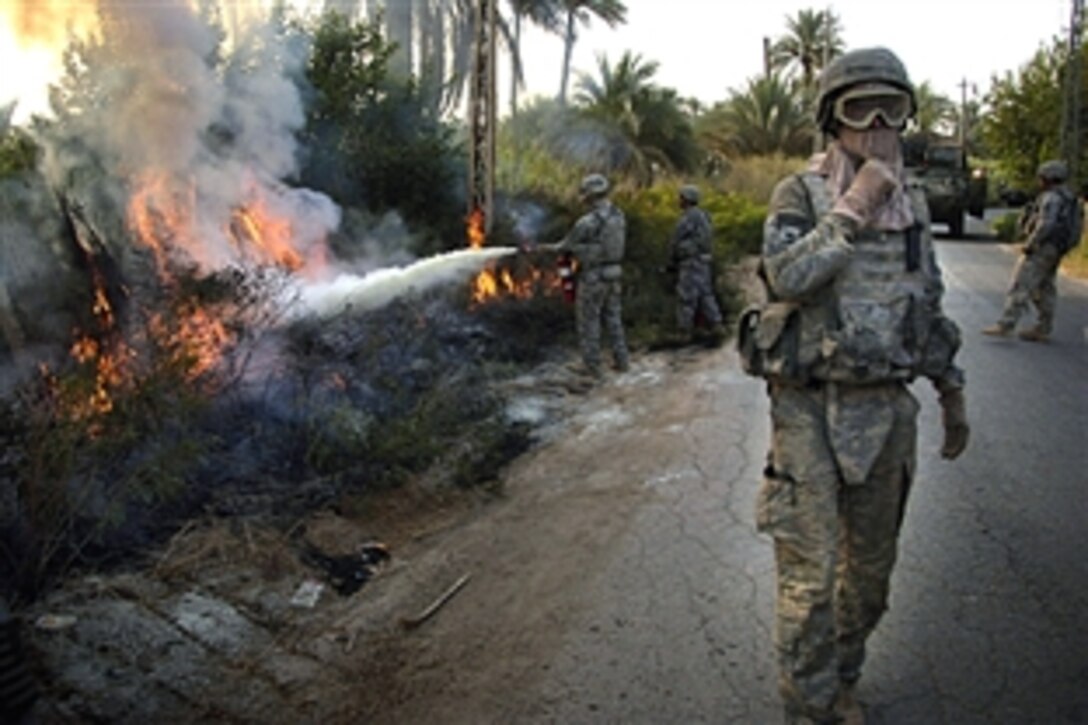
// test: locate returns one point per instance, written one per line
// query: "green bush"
(1006, 225)
(652, 214)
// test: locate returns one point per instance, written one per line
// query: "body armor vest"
(870, 324)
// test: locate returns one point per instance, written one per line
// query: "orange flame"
(475, 228)
(197, 340)
(270, 237)
(493, 283)
(161, 212)
(109, 356)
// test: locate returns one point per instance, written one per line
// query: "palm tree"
(813, 38)
(767, 117)
(398, 29)
(544, 13)
(613, 12)
(615, 95)
(645, 126)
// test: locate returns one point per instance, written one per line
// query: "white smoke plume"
(214, 138)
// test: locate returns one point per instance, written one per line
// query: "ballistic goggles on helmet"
(859, 107)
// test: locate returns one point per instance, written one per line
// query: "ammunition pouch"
(768, 340)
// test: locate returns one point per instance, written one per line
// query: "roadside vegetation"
(387, 398)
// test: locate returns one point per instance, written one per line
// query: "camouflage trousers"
(1033, 281)
(835, 543)
(600, 300)
(695, 292)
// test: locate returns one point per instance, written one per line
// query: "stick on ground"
(413, 622)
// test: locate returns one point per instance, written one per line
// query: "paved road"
(988, 613)
(620, 580)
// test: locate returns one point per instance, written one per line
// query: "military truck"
(952, 188)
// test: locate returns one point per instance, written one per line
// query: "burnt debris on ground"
(309, 413)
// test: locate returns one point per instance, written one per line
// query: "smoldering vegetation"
(164, 357)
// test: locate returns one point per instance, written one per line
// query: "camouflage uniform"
(597, 241)
(691, 247)
(1051, 228)
(853, 316)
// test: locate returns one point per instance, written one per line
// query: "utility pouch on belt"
(767, 340)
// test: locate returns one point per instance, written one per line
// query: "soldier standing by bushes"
(597, 242)
(1051, 228)
(853, 315)
(691, 247)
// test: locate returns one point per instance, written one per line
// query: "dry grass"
(219, 543)
(755, 177)
(1075, 263)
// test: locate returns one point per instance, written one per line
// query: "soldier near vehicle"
(853, 315)
(692, 262)
(597, 242)
(1050, 227)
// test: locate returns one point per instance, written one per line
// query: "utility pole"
(962, 130)
(481, 109)
(1072, 110)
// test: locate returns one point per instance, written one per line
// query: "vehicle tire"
(955, 225)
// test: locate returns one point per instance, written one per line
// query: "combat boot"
(1035, 334)
(848, 709)
(998, 330)
(717, 335)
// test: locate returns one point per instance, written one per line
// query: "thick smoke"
(214, 139)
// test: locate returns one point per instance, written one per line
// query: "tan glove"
(870, 189)
(954, 420)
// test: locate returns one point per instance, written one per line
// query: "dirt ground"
(477, 583)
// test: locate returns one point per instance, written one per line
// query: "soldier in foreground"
(597, 242)
(853, 315)
(1051, 229)
(691, 247)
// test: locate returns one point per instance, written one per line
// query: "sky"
(704, 48)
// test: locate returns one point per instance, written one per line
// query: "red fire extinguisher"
(565, 268)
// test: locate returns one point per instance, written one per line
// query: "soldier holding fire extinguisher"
(596, 243)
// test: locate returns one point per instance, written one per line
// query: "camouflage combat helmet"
(866, 65)
(689, 193)
(1054, 170)
(593, 186)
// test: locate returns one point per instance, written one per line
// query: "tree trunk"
(568, 51)
(432, 52)
(398, 29)
(373, 7)
(515, 61)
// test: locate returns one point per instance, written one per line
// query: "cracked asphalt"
(669, 618)
(618, 578)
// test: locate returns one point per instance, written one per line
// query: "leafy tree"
(936, 112)
(614, 95)
(1022, 127)
(18, 152)
(612, 12)
(650, 120)
(371, 139)
(766, 117)
(544, 13)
